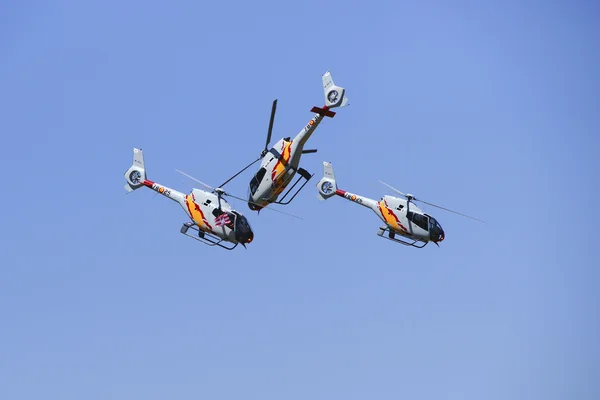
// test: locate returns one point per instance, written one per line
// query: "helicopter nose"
(245, 236)
(254, 206)
(442, 236)
(437, 235)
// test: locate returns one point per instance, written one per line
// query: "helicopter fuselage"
(278, 167)
(401, 216)
(210, 213)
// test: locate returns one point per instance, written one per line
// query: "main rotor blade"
(264, 207)
(233, 177)
(394, 189)
(452, 211)
(271, 121)
(194, 179)
(431, 204)
(235, 197)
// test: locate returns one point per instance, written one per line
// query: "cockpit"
(254, 184)
(436, 233)
(427, 223)
(243, 231)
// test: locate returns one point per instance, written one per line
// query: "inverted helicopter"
(280, 163)
(215, 222)
(405, 223)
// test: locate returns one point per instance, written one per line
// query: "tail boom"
(136, 178)
(327, 187)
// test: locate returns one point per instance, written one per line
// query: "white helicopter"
(401, 216)
(281, 162)
(213, 219)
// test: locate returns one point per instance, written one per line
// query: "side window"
(261, 174)
(418, 219)
(255, 182)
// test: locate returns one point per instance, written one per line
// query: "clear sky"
(490, 108)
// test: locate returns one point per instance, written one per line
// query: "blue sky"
(490, 108)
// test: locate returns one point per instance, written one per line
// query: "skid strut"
(206, 238)
(303, 174)
(392, 236)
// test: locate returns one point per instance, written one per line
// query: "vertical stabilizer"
(327, 185)
(136, 174)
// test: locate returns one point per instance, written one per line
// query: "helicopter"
(280, 163)
(401, 216)
(215, 222)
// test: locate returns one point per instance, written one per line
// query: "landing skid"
(392, 236)
(204, 237)
(302, 174)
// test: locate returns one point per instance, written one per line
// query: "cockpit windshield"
(422, 221)
(243, 231)
(436, 233)
(242, 222)
(256, 180)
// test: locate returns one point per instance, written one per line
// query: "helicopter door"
(418, 219)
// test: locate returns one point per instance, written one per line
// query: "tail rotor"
(327, 186)
(136, 174)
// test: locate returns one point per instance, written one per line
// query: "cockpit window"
(436, 233)
(418, 219)
(240, 220)
(257, 179)
(243, 222)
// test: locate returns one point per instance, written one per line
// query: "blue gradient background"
(490, 108)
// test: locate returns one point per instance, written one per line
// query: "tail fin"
(327, 185)
(334, 95)
(136, 174)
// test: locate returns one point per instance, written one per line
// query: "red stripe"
(340, 192)
(148, 183)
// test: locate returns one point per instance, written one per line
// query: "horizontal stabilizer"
(309, 151)
(324, 112)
